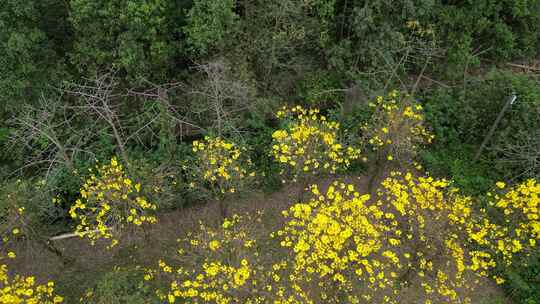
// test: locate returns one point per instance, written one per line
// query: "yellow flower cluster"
(413, 232)
(396, 128)
(521, 206)
(221, 165)
(517, 234)
(20, 289)
(456, 221)
(212, 284)
(425, 216)
(339, 243)
(344, 247)
(218, 265)
(109, 202)
(309, 143)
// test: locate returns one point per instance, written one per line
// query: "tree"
(220, 168)
(309, 145)
(210, 25)
(138, 38)
(29, 60)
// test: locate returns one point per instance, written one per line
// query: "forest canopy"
(278, 142)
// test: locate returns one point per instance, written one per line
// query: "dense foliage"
(117, 113)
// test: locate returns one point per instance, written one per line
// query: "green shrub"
(10, 157)
(523, 280)
(499, 29)
(36, 198)
(164, 183)
(455, 161)
(260, 143)
(465, 115)
(320, 89)
(121, 286)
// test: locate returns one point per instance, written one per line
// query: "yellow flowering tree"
(339, 248)
(308, 144)
(508, 228)
(520, 206)
(395, 131)
(412, 235)
(426, 217)
(397, 127)
(440, 222)
(221, 168)
(109, 203)
(218, 265)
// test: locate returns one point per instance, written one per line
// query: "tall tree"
(29, 60)
(136, 38)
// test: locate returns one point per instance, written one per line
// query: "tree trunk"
(223, 208)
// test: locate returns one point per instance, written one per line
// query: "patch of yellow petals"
(19, 289)
(519, 232)
(412, 233)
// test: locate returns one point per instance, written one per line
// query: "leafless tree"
(171, 116)
(47, 130)
(99, 97)
(59, 128)
(219, 99)
(524, 155)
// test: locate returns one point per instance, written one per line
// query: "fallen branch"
(71, 235)
(435, 81)
(526, 67)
